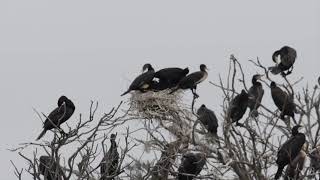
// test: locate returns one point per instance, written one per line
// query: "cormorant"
(143, 81)
(59, 115)
(191, 80)
(287, 58)
(110, 161)
(290, 149)
(295, 167)
(192, 164)
(170, 77)
(50, 169)
(208, 119)
(255, 95)
(283, 101)
(238, 107)
(161, 170)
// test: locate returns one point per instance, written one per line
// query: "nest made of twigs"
(155, 105)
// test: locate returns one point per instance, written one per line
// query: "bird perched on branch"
(170, 77)
(283, 101)
(50, 169)
(59, 115)
(290, 149)
(191, 165)
(238, 107)
(110, 161)
(287, 58)
(192, 80)
(208, 119)
(255, 95)
(143, 81)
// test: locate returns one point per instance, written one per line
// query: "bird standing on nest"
(290, 149)
(143, 81)
(192, 80)
(109, 163)
(59, 115)
(238, 107)
(288, 56)
(170, 77)
(255, 95)
(283, 101)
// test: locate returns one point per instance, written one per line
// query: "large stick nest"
(155, 105)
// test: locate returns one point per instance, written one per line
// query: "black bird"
(191, 80)
(208, 119)
(319, 80)
(50, 169)
(290, 149)
(170, 77)
(238, 107)
(143, 81)
(287, 58)
(110, 161)
(161, 169)
(59, 115)
(192, 164)
(255, 95)
(283, 101)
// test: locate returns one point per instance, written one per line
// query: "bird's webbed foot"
(195, 95)
(62, 132)
(283, 74)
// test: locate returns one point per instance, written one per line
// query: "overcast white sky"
(89, 50)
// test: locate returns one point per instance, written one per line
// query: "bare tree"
(164, 127)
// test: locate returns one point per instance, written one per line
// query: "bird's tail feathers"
(279, 173)
(174, 90)
(41, 134)
(126, 92)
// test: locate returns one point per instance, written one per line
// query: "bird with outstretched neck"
(288, 56)
(290, 149)
(192, 80)
(143, 81)
(110, 161)
(208, 119)
(170, 77)
(283, 101)
(255, 95)
(58, 116)
(238, 107)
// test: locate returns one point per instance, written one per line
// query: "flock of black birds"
(177, 78)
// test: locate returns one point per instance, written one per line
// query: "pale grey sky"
(90, 50)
